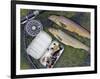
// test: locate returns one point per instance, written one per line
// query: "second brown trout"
(67, 39)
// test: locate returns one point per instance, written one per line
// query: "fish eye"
(54, 44)
(51, 48)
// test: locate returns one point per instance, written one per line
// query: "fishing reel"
(33, 27)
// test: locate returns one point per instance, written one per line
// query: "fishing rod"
(31, 16)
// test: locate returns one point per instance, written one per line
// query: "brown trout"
(70, 25)
(67, 39)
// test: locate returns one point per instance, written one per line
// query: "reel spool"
(33, 27)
